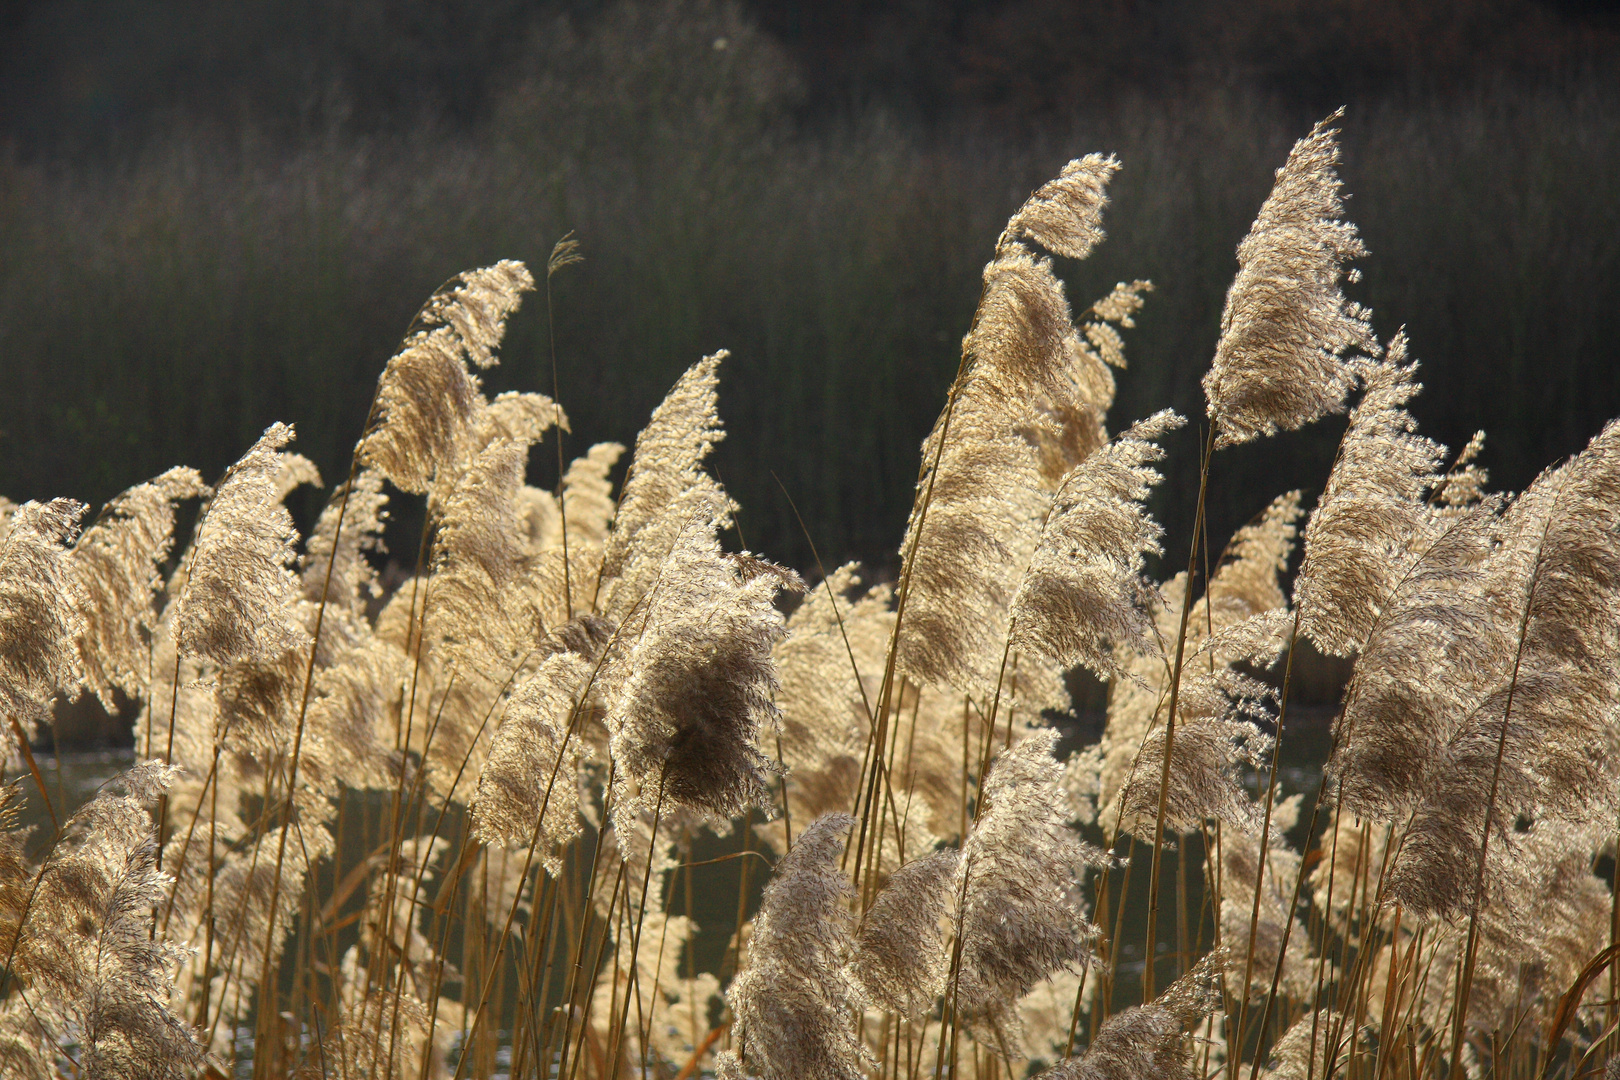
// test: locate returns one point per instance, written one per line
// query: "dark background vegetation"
(213, 216)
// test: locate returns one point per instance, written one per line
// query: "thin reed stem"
(1170, 722)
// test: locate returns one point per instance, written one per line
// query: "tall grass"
(468, 825)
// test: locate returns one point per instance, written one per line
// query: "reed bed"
(452, 829)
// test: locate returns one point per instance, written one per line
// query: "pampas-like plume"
(525, 417)
(1204, 780)
(1083, 595)
(1027, 407)
(1291, 1058)
(351, 719)
(1245, 608)
(1373, 519)
(1287, 324)
(353, 579)
(588, 494)
(1538, 740)
(900, 960)
(701, 679)
(824, 699)
(533, 762)
(1464, 484)
(668, 462)
(479, 555)
(1413, 684)
(1065, 214)
(115, 565)
(39, 607)
(25, 1051)
(1240, 869)
(239, 582)
(89, 947)
(245, 885)
(1023, 916)
(830, 667)
(1551, 919)
(794, 1004)
(1146, 1041)
(427, 399)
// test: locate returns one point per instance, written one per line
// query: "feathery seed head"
(428, 402)
(794, 1003)
(90, 947)
(1083, 595)
(701, 678)
(240, 588)
(1065, 214)
(115, 565)
(564, 252)
(353, 579)
(1373, 519)
(1146, 1040)
(39, 607)
(900, 962)
(1023, 914)
(1279, 362)
(534, 761)
(668, 462)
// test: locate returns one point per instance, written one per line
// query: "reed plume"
(39, 608)
(529, 784)
(566, 665)
(479, 557)
(700, 680)
(1296, 1058)
(428, 402)
(1280, 361)
(349, 734)
(1146, 1040)
(1412, 683)
(1240, 621)
(115, 566)
(666, 465)
(1023, 915)
(1261, 932)
(345, 554)
(829, 664)
(1374, 517)
(1205, 783)
(239, 582)
(793, 1004)
(1537, 741)
(1064, 215)
(1027, 407)
(588, 494)
(1083, 597)
(900, 961)
(89, 949)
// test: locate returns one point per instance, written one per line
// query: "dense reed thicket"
(212, 281)
(576, 685)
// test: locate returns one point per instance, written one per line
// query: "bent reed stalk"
(479, 887)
